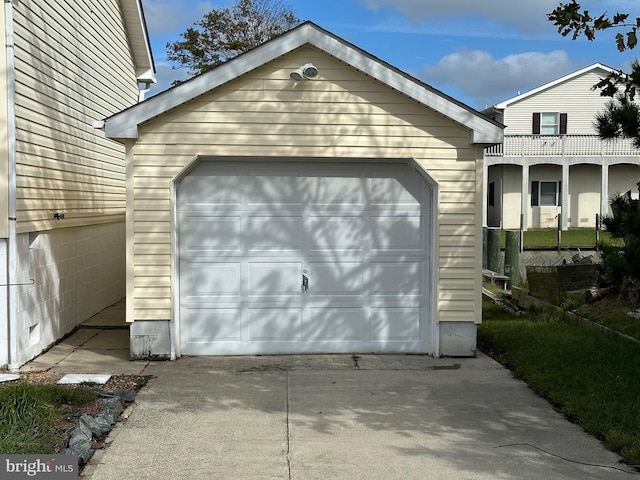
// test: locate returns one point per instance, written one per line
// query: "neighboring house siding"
(73, 66)
(561, 99)
(342, 114)
(4, 147)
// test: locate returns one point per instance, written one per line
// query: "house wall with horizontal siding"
(343, 114)
(4, 147)
(560, 98)
(72, 66)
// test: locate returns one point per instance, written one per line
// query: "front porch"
(535, 181)
(561, 146)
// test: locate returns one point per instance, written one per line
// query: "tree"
(224, 33)
(622, 263)
(621, 118)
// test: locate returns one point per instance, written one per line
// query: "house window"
(492, 194)
(546, 194)
(549, 123)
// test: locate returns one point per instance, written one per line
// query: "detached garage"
(304, 197)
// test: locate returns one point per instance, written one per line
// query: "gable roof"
(596, 66)
(483, 129)
(136, 27)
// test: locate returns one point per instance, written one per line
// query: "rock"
(111, 410)
(97, 429)
(80, 442)
(126, 395)
(635, 314)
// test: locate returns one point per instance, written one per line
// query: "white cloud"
(527, 16)
(487, 80)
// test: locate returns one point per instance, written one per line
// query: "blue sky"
(478, 52)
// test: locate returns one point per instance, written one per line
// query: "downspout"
(12, 248)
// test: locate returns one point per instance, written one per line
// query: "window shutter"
(535, 190)
(563, 124)
(536, 123)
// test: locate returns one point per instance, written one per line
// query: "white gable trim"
(136, 27)
(596, 66)
(125, 124)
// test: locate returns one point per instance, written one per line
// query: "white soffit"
(138, 36)
(483, 130)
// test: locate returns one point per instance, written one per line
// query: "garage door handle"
(305, 283)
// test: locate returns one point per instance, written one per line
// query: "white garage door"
(303, 258)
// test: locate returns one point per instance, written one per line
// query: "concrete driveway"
(344, 417)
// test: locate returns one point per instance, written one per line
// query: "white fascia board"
(125, 124)
(139, 43)
(596, 66)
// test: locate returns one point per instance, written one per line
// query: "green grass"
(29, 415)
(611, 312)
(573, 238)
(588, 375)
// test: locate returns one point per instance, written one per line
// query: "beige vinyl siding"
(73, 66)
(560, 98)
(4, 147)
(343, 114)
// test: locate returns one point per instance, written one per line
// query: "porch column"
(604, 189)
(565, 197)
(524, 197)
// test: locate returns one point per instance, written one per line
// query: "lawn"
(588, 375)
(573, 238)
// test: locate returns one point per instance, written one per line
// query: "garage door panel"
(208, 233)
(336, 324)
(275, 325)
(273, 189)
(210, 281)
(211, 324)
(400, 279)
(335, 279)
(273, 233)
(202, 190)
(330, 233)
(395, 324)
(404, 191)
(397, 232)
(328, 188)
(275, 279)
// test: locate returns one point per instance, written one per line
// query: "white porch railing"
(561, 146)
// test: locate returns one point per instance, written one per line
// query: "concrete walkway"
(329, 417)
(100, 345)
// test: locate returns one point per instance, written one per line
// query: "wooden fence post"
(559, 231)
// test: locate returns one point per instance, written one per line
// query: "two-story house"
(64, 65)
(552, 164)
